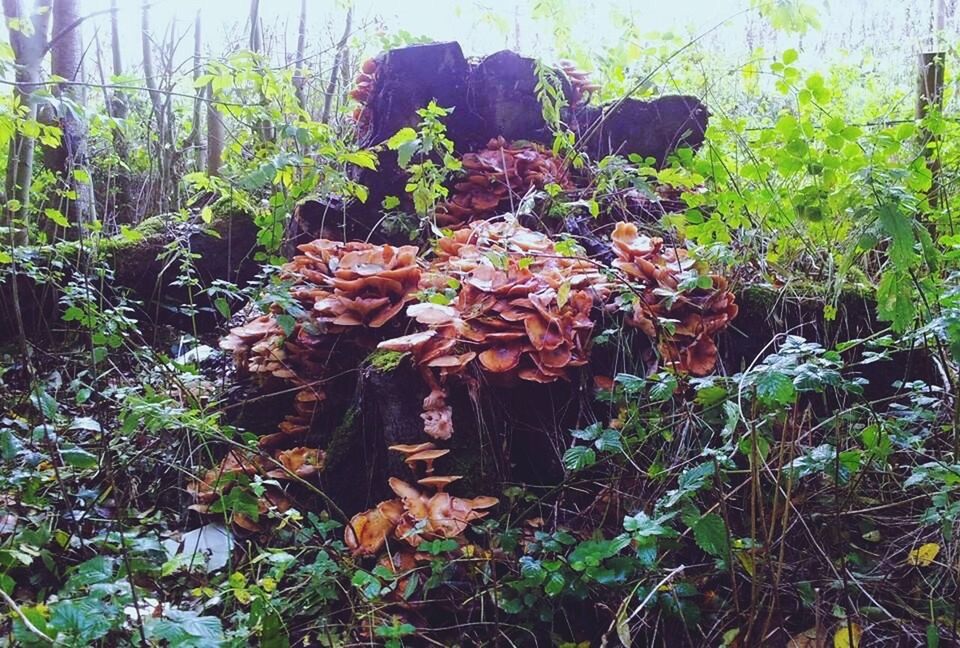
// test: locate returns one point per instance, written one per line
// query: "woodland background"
(805, 494)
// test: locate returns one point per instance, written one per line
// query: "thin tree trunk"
(298, 77)
(164, 146)
(265, 126)
(335, 70)
(256, 32)
(70, 158)
(215, 136)
(195, 139)
(28, 50)
(117, 108)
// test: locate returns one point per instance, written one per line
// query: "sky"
(892, 31)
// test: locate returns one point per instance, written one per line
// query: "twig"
(23, 617)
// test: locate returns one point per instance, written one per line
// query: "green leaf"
(895, 300)
(206, 215)
(774, 388)
(363, 159)
(710, 534)
(579, 457)
(405, 142)
(900, 229)
(57, 217)
(78, 458)
(789, 56)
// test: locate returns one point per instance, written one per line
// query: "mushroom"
(367, 532)
(411, 449)
(439, 482)
(427, 457)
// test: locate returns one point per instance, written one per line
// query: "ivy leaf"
(710, 533)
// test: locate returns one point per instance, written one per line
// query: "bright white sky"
(480, 25)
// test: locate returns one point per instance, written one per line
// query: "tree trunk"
(163, 148)
(335, 70)
(69, 161)
(195, 139)
(215, 135)
(298, 76)
(28, 50)
(117, 109)
(256, 33)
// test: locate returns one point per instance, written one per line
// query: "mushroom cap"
(412, 448)
(427, 455)
(367, 532)
(439, 481)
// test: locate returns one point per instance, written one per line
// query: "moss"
(146, 234)
(343, 440)
(385, 361)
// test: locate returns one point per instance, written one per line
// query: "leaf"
(57, 217)
(774, 388)
(895, 300)
(923, 555)
(710, 533)
(563, 294)
(206, 215)
(78, 458)
(902, 240)
(579, 457)
(847, 636)
(363, 159)
(209, 545)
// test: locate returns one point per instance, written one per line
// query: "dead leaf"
(847, 636)
(924, 555)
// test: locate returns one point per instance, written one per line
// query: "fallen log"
(165, 266)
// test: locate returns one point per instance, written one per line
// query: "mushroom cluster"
(414, 516)
(285, 465)
(361, 92)
(583, 87)
(523, 312)
(674, 307)
(497, 174)
(336, 288)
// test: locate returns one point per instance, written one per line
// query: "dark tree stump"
(504, 98)
(409, 78)
(648, 128)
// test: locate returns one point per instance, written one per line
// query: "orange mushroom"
(427, 457)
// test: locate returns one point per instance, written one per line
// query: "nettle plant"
(426, 154)
(290, 155)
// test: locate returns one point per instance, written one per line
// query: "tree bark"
(117, 109)
(335, 70)
(195, 139)
(163, 150)
(256, 33)
(69, 161)
(28, 49)
(298, 76)
(215, 135)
